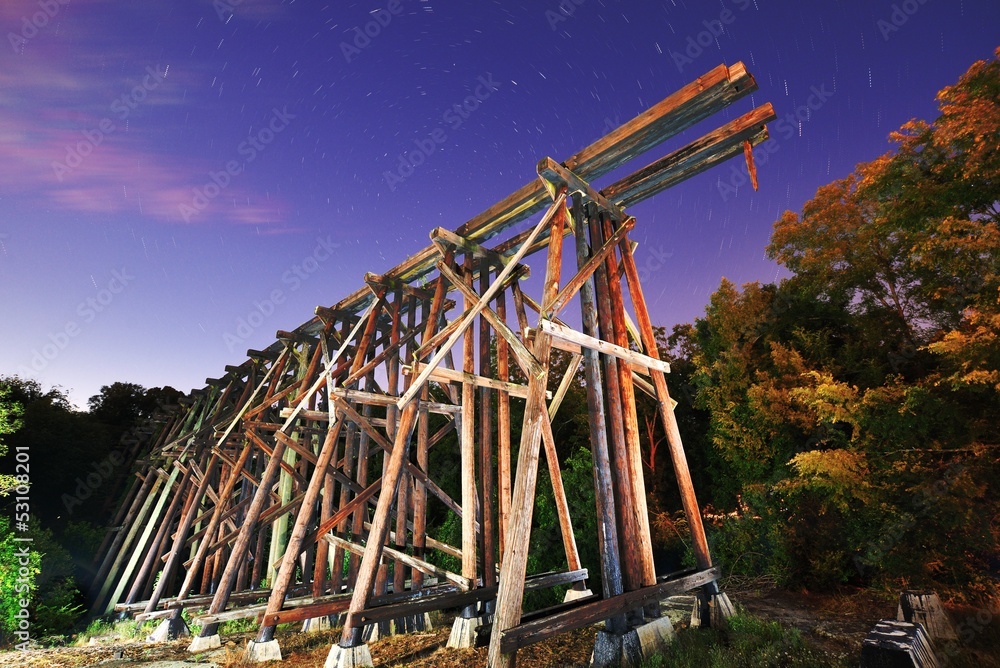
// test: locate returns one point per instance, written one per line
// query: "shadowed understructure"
(303, 476)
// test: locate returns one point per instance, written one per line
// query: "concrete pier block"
(463, 632)
(259, 652)
(349, 657)
(169, 629)
(203, 644)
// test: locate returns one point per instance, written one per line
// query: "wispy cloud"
(77, 135)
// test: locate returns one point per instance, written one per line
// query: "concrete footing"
(314, 624)
(924, 608)
(893, 643)
(259, 652)
(720, 609)
(463, 632)
(169, 629)
(574, 594)
(614, 650)
(409, 624)
(349, 657)
(203, 644)
(712, 613)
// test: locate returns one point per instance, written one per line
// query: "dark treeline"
(77, 468)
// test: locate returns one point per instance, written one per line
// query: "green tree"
(10, 421)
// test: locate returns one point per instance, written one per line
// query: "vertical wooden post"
(511, 589)
(423, 462)
(467, 448)
(628, 522)
(644, 546)
(486, 442)
(607, 536)
(155, 549)
(260, 498)
(503, 426)
(559, 495)
(351, 636)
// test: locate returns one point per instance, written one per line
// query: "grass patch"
(124, 631)
(748, 642)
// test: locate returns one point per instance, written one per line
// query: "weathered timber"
(588, 613)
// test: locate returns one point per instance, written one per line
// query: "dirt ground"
(835, 624)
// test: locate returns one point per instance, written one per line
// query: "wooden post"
(644, 547)
(607, 536)
(467, 448)
(628, 522)
(486, 443)
(503, 426)
(511, 589)
(260, 498)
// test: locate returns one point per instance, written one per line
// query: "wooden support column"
(486, 442)
(260, 498)
(644, 546)
(688, 498)
(423, 463)
(629, 525)
(351, 636)
(559, 495)
(113, 555)
(467, 447)
(503, 426)
(155, 549)
(510, 594)
(607, 525)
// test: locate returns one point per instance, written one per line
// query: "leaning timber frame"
(303, 476)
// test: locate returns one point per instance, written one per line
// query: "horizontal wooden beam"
(465, 584)
(462, 599)
(561, 333)
(701, 154)
(589, 613)
(444, 375)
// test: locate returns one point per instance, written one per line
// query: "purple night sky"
(170, 169)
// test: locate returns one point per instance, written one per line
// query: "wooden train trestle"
(263, 485)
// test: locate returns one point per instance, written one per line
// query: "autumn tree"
(853, 408)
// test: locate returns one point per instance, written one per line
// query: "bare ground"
(835, 624)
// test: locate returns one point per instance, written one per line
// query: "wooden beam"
(568, 335)
(463, 583)
(532, 632)
(452, 376)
